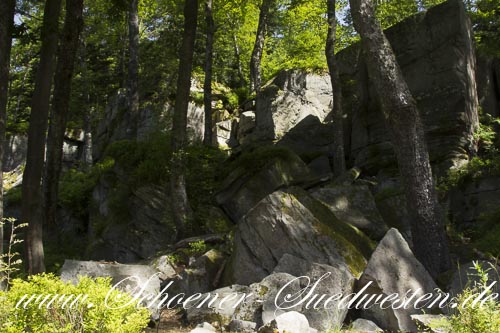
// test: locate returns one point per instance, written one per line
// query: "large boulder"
(138, 280)
(353, 204)
(333, 280)
(292, 222)
(393, 269)
(435, 51)
(248, 184)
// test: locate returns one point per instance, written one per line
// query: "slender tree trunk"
(31, 189)
(133, 65)
(87, 139)
(338, 128)
(258, 49)
(404, 123)
(6, 24)
(60, 105)
(207, 86)
(237, 54)
(180, 206)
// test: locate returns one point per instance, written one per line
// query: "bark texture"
(400, 110)
(66, 56)
(133, 64)
(207, 85)
(181, 210)
(6, 24)
(31, 189)
(338, 130)
(258, 49)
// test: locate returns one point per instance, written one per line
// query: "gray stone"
(292, 322)
(146, 217)
(436, 54)
(246, 125)
(268, 290)
(429, 322)
(243, 189)
(488, 84)
(15, 150)
(164, 266)
(218, 310)
(320, 167)
(292, 222)
(365, 326)
(203, 328)
(242, 326)
(128, 278)
(473, 199)
(338, 280)
(355, 205)
(393, 269)
(201, 275)
(289, 98)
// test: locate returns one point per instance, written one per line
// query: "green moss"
(486, 237)
(354, 246)
(388, 193)
(13, 196)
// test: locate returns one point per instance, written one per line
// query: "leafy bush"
(474, 319)
(93, 314)
(76, 186)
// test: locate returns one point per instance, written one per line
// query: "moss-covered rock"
(292, 222)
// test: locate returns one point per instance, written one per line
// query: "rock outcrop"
(393, 269)
(292, 222)
(436, 53)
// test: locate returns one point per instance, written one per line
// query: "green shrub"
(479, 318)
(75, 189)
(94, 314)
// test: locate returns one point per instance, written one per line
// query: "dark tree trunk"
(60, 105)
(133, 65)
(258, 49)
(338, 129)
(430, 243)
(31, 189)
(207, 86)
(6, 23)
(180, 206)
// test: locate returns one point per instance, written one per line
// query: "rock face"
(435, 52)
(353, 204)
(292, 222)
(393, 269)
(365, 326)
(121, 238)
(488, 84)
(245, 187)
(473, 199)
(15, 150)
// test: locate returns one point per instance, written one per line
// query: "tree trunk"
(430, 244)
(6, 24)
(207, 86)
(237, 54)
(258, 49)
(338, 129)
(133, 65)
(181, 210)
(31, 189)
(60, 105)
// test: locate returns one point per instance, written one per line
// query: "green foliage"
(75, 188)
(197, 248)
(485, 15)
(10, 261)
(486, 236)
(96, 313)
(474, 319)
